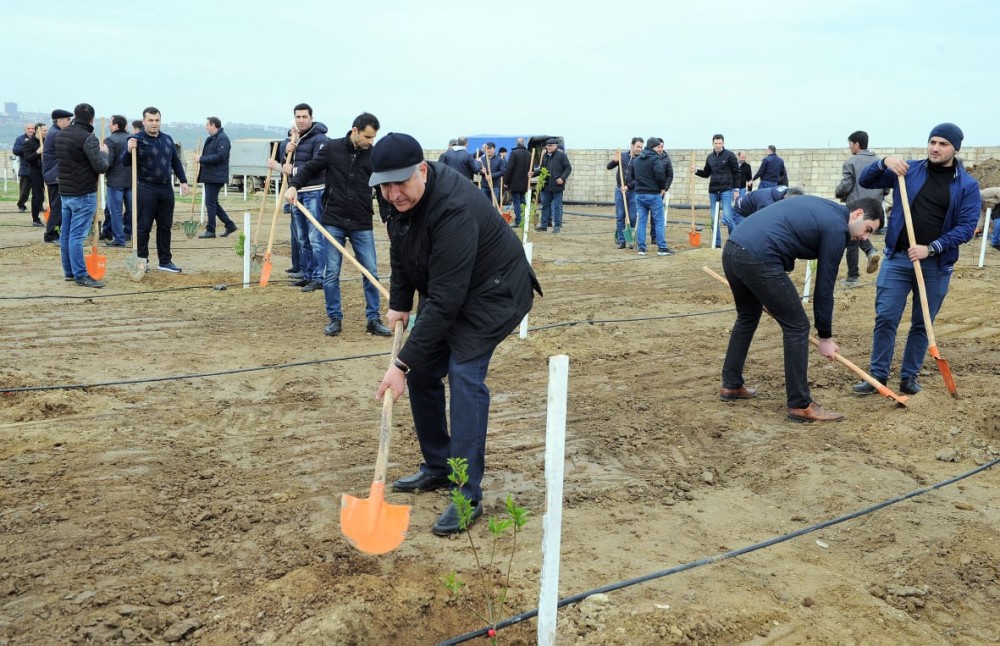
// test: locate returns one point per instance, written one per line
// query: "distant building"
(10, 109)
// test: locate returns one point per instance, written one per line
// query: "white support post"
(201, 209)
(524, 322)
(808, 286)
(245, 188)
(526, 218)
(986, 236)
(225, 189)
(715, 223)
(246, 250)
(555, 457)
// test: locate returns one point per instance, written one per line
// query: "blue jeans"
(552, 208)
(755, 285)
(116, 198)
(995, 224)
(517, 200)
(726, 199)
(742, 192)
(77, 218)
(620, 202)
(363, 245)
(485, 188)
(896, 281)
(312, 245)
(766, 184)
(470, 411)
(213, 208)
(649, 205)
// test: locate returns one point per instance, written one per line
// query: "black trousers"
(37, 187)
(25, 186)
(55, 214)
(156, 204)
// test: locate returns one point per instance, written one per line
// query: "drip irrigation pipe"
(721, 557)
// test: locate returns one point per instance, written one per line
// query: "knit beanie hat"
(653, 142)
(948, 131)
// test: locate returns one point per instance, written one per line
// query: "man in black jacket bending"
(450, 245)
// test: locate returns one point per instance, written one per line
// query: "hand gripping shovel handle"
(881, 388)
(943, 367)
(340, 248)
(263, 200)
(385, 433)
(628, 221)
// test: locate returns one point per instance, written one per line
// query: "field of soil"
(190, 492)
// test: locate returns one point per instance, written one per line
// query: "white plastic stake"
(808, 286)
(715, 223)
(524, 322)
(526, 221)
(555, 456)
(201, 209)
(986, 236)
(246, 250)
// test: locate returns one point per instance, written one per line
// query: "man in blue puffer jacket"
(945, 203)
(214, 174)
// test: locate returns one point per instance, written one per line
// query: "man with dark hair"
(515, 177)
(50, 173)
(213, 172)
(475, 286)
(723, 172)
(31, 161)
(647, 174)
(746, 175)
(347, 216)
(24, 181)
(848, 190)
(81, 161)
(137, 126)
(757, 258)
(771, 171)
(557, 163)
(118, 221)
(624, 192)
(459, 158)
(945, 202)
(156, 156)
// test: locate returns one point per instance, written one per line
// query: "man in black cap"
(459, 158)
(475, 285)
(50, 173)
(944, 204)
(557, 163)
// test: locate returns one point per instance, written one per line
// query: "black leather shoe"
(228, 231)
(864, 388)
(87, 281)
(375, 327)
(910, 386)
(207, 234)
(312, 286)
(421, 481)
(541, 228)
(333, 329)
(447, 523)
(302, 282)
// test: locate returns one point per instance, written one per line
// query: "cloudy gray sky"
(792, 73)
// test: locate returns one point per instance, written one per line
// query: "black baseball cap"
(394, 158)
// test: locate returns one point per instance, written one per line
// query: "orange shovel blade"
(373, 526)
(265, 272)
(96, 265)
(942, 364)
(694, 238)
(45, 215)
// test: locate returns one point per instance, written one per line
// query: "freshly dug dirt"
(204, 509)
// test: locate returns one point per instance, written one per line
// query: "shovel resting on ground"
(372, 525)
(881, 388)
(135, 265)
(942, 363)
(694, 236)
(629, 238)
(96, 263)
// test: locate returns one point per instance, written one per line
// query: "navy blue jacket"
(460, 160)
(117, 176)
(157, 156)
(309, 146)
(807, 227)
(772, 169)
(624, 160)
(756, 200)
(959, 222)
(50, 165)
(17, 150)
(497, 166)
(214, 161)
(80, 160)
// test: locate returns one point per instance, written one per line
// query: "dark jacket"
(50, 166)
(468, 266)
(755, 201)
(460, 160)
(959, 222)
(157, 156)
(17, 151)
(309, 146)
(214, 161)
(807, 228)
(31, 160)
(80, 160)
(849, 190)
(646, 173)
(668, 170)
(772, 169)
(515, 177)
(117, 175)
(624, 161)
(746, 175)
(347, 197)
(723, 171)
(559, 166)
(496, 168)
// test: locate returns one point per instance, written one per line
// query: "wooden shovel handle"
(263, 201)
(621, 176)
(135, 201)
(388, 397)
(921, 287)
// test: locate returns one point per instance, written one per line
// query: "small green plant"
(515, 519)
(543, 176)
(240, 242)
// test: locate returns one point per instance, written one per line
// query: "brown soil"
(987, 173)
(205, 509)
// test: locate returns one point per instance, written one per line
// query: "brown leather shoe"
(813, 413)
(729, 394)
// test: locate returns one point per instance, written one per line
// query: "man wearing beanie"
(452, 247)
(944, 203)
(648, 174)
(50, 173)
(81, 161)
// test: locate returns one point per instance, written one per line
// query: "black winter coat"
(723, 171)
(559, 166)
(118, 175)
(646, 173)
(515, 178)
(468, 266)
(80, 160)
(31, 158)
(214, 161)
(347, 197)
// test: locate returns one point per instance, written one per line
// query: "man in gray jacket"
(117, 222)
(848, 190)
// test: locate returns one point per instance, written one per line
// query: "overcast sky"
(793, 73)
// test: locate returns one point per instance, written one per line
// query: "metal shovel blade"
(373, 526)
(136, 268)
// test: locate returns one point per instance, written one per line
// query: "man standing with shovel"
(475, 285)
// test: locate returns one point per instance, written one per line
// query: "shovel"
(135, 265)
(265, 270)
(629, 237)
(694, 236)
(942, 363)
(256, 257)
(881, 388)
(47, 205)
(97, 264)
(374, 526)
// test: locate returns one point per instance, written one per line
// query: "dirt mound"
(987, 173)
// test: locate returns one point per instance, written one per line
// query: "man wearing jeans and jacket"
(723, 172)
(944, 203)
